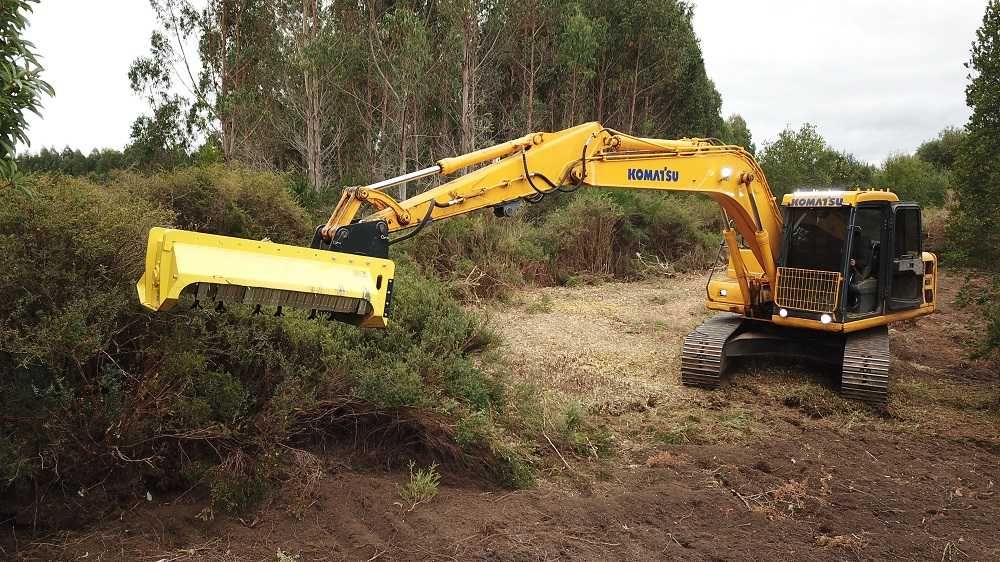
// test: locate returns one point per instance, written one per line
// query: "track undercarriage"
(862, 357)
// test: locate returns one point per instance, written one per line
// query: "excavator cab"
(848, 257)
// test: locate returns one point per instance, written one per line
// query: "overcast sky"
(87, 47)
(875, 77)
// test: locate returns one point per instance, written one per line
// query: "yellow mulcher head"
(221, 270)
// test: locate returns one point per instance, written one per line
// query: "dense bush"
(99, 397)
(101, 400)
(914, 179)
(593, 233)
(225, 200)
(481, 255)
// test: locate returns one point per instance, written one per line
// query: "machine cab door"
(906, 266)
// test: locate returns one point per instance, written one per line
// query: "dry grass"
(611, 346)
(305, 471)
(853, 543)
(614, 349)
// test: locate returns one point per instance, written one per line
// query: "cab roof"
(836, 197)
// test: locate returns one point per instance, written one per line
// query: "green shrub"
(422, 486)
(90, 381)
(914, 179)
(512, 468)
(982, 298)
(580, 237)
(475, 428)
(611, 232)
(225, 200)
(481, 256)
(590, 235)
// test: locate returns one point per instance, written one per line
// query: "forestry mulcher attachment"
(819, 277)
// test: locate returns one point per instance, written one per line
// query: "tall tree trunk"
(635, 95)
(401, 169)
(226, 118)
(599, 102)
(572, 102)
(531, 88)
(470, 41)
(313, 98)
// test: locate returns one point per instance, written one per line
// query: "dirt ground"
(774, 466)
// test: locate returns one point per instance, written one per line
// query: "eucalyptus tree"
(736, 131)
(974, 229)
(20, 83)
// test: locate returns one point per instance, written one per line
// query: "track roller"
(703, 357)
(864, 374)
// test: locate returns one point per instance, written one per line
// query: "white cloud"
(87, 47)
(874, 77)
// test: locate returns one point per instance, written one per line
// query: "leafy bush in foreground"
(99, 397)
(225, 200)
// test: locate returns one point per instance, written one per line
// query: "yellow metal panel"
(856, 325)
(733, 296)
(793, 322)
(836, 198)
(275, 273)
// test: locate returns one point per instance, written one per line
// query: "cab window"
(816, 237)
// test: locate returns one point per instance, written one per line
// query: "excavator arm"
(354, 281)
(585, 156)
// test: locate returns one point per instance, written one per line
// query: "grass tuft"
(422, 486)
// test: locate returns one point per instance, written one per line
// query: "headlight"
(826, 319)
(783, 313)
(723, 293)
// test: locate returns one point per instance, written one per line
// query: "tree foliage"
(736, 131)
(21, 86)
(974, 230)
(72, 162)
(914, 179)
(803, 159)
(943, 150)
(340, 91)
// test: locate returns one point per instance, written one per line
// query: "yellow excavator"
(819, 277)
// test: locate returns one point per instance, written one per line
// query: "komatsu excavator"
(820, 278)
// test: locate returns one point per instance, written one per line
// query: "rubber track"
(864, 375)
(703, 353)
